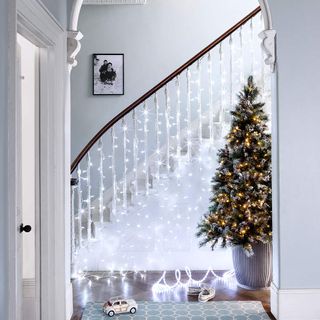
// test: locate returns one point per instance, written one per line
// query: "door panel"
(30, 197)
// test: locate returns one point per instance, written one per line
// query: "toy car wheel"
(111, 313)
(133, 310)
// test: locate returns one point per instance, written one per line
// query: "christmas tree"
(240, 207)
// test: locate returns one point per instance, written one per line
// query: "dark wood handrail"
(147, 95)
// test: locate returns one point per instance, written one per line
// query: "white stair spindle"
(146, 151)
(135, 153)
(101, 181)
(252, 46)
(241, 60)
(80, 208)
(167, 116)
(89, 209)
(125, 169)
(178, 118)
(199, 100)
(231, 73)
(211, 84)
(222, 86)
(114, 174)
(157, 127)
(189, 141)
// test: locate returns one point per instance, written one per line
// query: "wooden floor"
(140, 288)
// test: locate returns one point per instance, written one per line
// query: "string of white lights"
(162, 286)
(133, 235)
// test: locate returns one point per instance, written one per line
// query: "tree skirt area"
(216, 310)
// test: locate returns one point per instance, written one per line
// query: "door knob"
(25, 228)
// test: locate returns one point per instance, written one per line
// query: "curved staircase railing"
(160, 85)
(145, 143)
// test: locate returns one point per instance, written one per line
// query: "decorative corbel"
(269, 47)
(73, 46)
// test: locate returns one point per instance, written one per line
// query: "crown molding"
(103, 2)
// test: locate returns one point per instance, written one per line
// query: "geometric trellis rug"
(215, 310)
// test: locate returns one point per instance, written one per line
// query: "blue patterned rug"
(216, 310)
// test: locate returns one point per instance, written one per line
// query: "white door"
(29, 195)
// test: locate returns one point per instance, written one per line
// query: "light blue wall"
(156, 38)
(3, 158)
(58, 8)
(298, 30)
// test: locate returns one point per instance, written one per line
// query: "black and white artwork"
(108, 74)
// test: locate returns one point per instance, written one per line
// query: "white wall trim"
(34, 22)
(295, 304)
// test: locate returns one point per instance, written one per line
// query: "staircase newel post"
(178, 115)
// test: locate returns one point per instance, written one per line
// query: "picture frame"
(107, 74)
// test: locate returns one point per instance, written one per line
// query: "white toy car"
(120, 305)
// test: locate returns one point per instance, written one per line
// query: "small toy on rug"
(119, 305)
(206, 294)
(194, 290)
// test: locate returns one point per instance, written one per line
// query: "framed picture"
(108, 73)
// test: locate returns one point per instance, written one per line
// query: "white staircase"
(145, 183)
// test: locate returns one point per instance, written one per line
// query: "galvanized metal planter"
(253, 272)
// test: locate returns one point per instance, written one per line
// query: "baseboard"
(29, 298)
(295, 304)
(69, 301)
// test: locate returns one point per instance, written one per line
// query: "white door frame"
(31, 19)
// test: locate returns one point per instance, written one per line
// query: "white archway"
(267, 36)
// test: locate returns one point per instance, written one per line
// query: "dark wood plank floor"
(140, 288)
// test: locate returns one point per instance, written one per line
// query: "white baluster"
(199, 100)
(101, 181)
(231, 72)
(135, 153)
(146, 152)
(114, 174)
(189, 130)
(178, 116)
(262, 62)
(80, 208)
(211, 84)
(125, 169)
(89, 213)
(167, 116)
(222, 86)
(241, 60)
(157, 126)
(252, 46)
